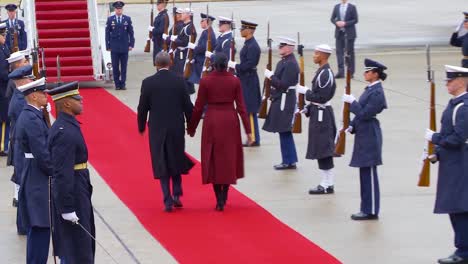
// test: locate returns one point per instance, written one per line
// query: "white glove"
(171, 51)
(208, 54)
(232, 64)
(429, 134)
(348, 98)
(72, 217)
(165, 36)
(349, 130)
(301, 89)
(173, 38)
(459, 27)
(48, 107)
(150, 28)
(305, 111)
(191, 45)
(268, 74)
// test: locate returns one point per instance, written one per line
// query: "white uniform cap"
(225, 19)
(454, 72)
(324, 48)
(16, 56)
(287, 41)
(179, 11)
(187, 11)
(34, 86)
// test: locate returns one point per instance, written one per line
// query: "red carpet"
(244, 233)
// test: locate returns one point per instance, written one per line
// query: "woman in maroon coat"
(222, 158)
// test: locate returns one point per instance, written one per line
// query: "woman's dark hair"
(381, 73)
(220, 61)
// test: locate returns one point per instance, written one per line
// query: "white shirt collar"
(460, 95)
(35, 107)
(225, 33)
(374, 83)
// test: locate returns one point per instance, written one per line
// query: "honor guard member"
(280, 116)
(178, 24)
(4, 100)
(322, 127)
(71, 186)
(200, 49)
(246, 70)
(367, 152)
(15, 25)
(158, 27)
(119, 41)
(452, 153)
(460, 39)
(345, 18)
(223, 42)
(31, 133)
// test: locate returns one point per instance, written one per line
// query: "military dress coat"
(31, 134)
(246, 70)
(159, 25)
(222, 157)
(367, 150)
(223, 44)
(462, 42)
(180, 54)
(164, 97)
(4, 71)
(119, 36)
(15, 154)
(322, 127)
(283, 83)
(22, 35)
(199, 54)
(71, 191)
(452, 152)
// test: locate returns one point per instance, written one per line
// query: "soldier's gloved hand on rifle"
(232, 64)
(459, 27)
(268, 74)
(348, 98)
(208, 54)
(165, 36)
(301, 89)
(171, 51)
(72, 217)
(173, 38)
(429, 134)
(349, 130)
(150, 28)
(48, 107)
(191, 45)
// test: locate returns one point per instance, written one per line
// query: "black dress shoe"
(285, 166)
(453, 259)
(177, 202)
(3, 154)
(168, 209)
(362, 216)
(123, 88)
(117, 88)
(15, 202)
(339, 76)
(219, 207)
(253, 145)
(321, 190)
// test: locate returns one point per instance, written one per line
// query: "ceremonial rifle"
(209, 47)
(262, 113)
(15, 47)
(425, 174)
(37, 75)
(173, 46)
(341, 140)
(297, 126)
(188, 60)
(166, 30)
(232, 51)
(150, 34)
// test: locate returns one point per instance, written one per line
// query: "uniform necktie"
(118, 19)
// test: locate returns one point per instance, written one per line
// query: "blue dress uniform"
(71, 185)
(461, 41)
(200, 49)
(15, 25)
(158, 29)
(223, 42)
(246, 70)
(367, 152)
(452, 153)
(119, 39)
(17, 105)
(280, 116)
(4, 100)
(31, 133)
(180, 54)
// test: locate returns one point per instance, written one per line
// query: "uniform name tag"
(320, 115)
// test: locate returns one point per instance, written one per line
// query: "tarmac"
(407, 231)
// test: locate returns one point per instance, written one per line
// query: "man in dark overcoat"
(32, 133)
(246, 70)
(71, 184)
(322, 128)
(164, 97)
(452, 153)
(280, 116)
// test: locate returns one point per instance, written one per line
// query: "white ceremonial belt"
(181, 48)
(28, 155)
(292, 87)
(322, 105)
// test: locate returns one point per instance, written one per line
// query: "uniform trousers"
(37, 249)
(166, 188)
(325, 163)
(4, 136)
(341, 44)
(370, 192)
(119, 68)
(460, 228)
(288, 148)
